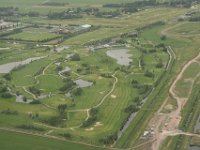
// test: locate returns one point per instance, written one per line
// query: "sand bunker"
(102, 92)
(89, 129)
(100, 78)
(98, 124)
(113, 96)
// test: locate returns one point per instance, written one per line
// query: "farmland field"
(104, 74)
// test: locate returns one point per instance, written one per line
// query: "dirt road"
(166, 124)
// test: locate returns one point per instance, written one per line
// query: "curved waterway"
(131, 117)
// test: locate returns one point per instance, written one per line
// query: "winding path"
(105, 97)
(112, 89)
(33, 95)
(87, 110)
(170, 52)
(102, 101)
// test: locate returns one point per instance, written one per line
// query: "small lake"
(20, 99)
(122, 56)
(82, 83)
(6, 68)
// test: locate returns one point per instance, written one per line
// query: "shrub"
(66, 135)
(62, 108)
(163, 37)
(68, 84)
(30, 127)
(131, 108)
(75, 57)
(9, 112)
(77, 92)
(59, 68)
(34, 102)
(54, 121)
(149, 74)
(159, 65)
(6, 95)
(110, 139)
(7, 76)
(34, 90)
(91, 119)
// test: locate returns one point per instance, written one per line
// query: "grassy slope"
(15, 141)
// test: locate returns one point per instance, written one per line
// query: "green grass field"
(20, 141)
(93, 114)
(33, 34)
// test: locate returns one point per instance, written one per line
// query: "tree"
(131, 108)
(6, 95)
(24, 99)
(91, 119)
(163, 37)
(33, 14)
(77, 92)
(36, 115)
(34, 90)
(159, 65)
(7, 76)
(59, 68)
(149, 74)
(62, 108)
(75, 57)
(110, 139)
(68, 84)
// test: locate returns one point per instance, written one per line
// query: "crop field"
(87, 74)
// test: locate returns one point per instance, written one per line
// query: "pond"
(122, 56)
(6, 68)
(82, 83)
(20, 99)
